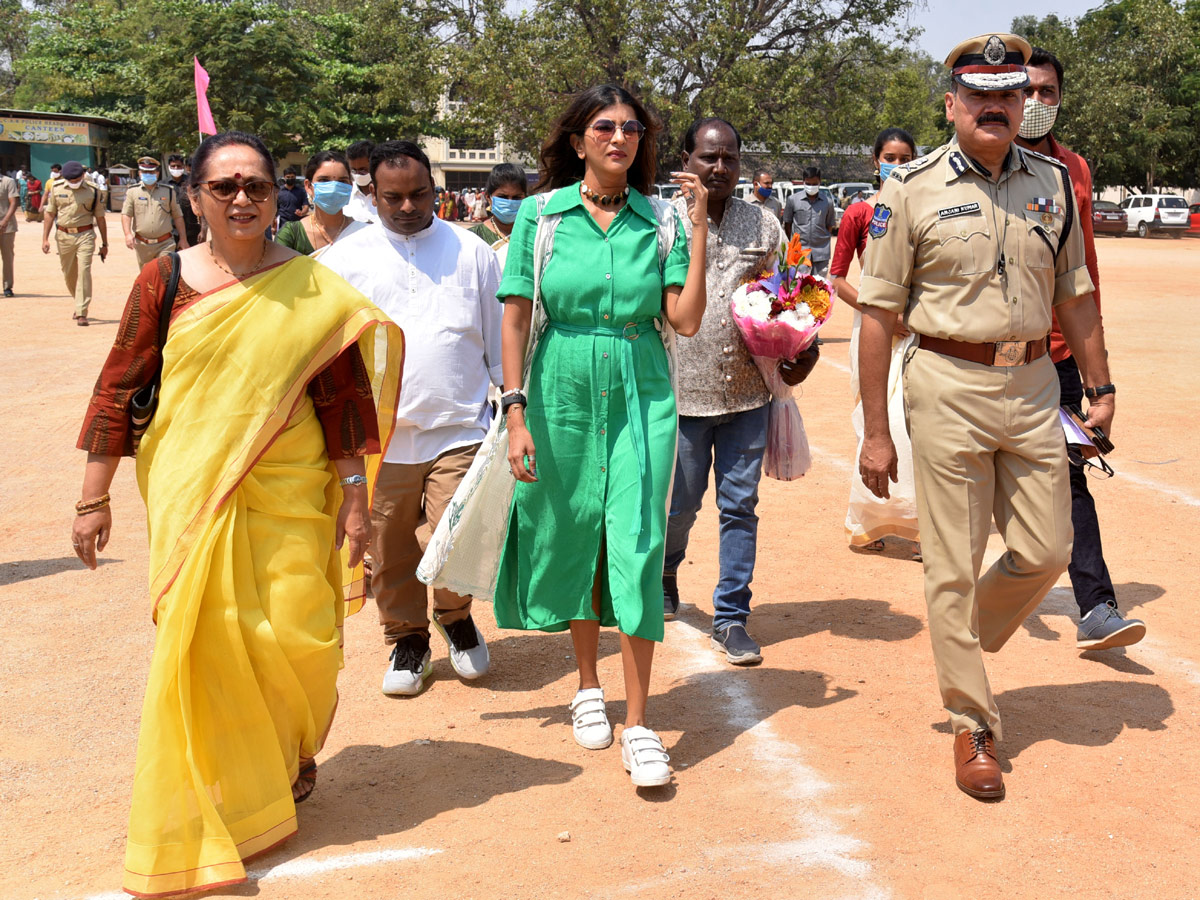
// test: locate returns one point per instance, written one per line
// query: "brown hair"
(558, 163)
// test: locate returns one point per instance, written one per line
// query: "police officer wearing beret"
(975, 245)
(150, 211)
(76, 207)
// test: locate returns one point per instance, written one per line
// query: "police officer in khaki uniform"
(77, 209)
(973, 245)
(148, 214)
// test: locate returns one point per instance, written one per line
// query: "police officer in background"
(975, 245)
(78, 212)
(178, 182)
(149, 213)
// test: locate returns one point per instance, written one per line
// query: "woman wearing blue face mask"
(327, 179)
(506, 188)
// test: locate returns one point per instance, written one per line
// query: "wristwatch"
(355, 480)
(1099, 391)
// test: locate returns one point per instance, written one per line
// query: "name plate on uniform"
(952, 212)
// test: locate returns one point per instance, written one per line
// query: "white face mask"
(1039, 119)
(177, 173)
(812, 189)
(75, 185)
(362, 180)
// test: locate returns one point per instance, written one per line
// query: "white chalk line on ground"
(825, 845)
(308, 868)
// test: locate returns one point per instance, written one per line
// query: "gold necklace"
(603, 200)
(325, 234)
(253, 269)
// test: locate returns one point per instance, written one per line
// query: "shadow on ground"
(1060, 601)
(26, 569)
(850, 617)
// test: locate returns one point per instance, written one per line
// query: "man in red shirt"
(1101, 625)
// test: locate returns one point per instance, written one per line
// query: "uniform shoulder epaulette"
(1044, 158)
(905, 170)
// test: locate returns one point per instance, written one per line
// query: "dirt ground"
(826, 772)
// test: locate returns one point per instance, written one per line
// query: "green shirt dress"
(602, 415)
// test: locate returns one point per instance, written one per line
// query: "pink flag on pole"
(207, 125)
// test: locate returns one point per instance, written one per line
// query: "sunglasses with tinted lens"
(227, 189)
(606, 128)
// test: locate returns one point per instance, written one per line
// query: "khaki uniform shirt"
(152, 209)
(940, 228)
(717, 375)
(8, 190)
(74, 209)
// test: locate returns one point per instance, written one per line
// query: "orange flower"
(796, 253)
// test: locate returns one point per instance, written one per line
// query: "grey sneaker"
(1104, 627)
(670, 596)
(739, 648)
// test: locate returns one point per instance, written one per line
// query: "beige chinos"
(986, 440)
(76, 209)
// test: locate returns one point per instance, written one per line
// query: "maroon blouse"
(341, 392)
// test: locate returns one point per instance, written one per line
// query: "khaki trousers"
(75, 256)
(7, 243)
(409, 500)
(986, 444)
(147, 252)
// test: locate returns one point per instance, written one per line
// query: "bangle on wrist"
(83, 507)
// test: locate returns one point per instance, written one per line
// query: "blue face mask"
(505, 209)
(149, 180)
(885, 169)
(764, 192)
(331, 196)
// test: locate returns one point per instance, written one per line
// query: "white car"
(1156, 212)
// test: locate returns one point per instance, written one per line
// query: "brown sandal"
(303, 786)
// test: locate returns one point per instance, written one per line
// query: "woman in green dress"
(327, 179)
(592, 435)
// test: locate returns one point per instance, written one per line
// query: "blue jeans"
(732, 446)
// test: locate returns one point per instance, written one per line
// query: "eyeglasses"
(604, 129)
(227, 189)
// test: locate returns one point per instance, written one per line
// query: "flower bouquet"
(779, 313)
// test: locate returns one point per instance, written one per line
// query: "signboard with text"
(26, 130)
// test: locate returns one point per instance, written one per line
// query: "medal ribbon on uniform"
(1043, 204)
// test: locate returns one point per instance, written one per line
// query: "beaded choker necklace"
(603, 200)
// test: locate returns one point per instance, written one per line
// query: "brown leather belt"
(995, 353)
(80, 230)
(155, 240)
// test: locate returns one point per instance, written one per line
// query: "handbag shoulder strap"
(164, 315)
(664, 213)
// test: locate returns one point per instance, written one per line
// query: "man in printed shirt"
(438, 283)
(722, 399)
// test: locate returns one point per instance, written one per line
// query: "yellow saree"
(246, 583)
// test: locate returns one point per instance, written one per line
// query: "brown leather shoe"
(976, 768)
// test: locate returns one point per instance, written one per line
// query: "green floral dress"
(602, 416)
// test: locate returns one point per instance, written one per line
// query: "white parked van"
(1148, 213)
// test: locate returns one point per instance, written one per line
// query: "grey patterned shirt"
(716, 373)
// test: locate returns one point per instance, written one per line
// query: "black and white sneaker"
(739, 648)
(410, 667)
(468, 653)
(670, 596)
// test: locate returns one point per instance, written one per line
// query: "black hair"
(291, 170)
(319, 159)
(174, 158)
(506, 173)
(395, 152)
(212, 144)
(689, 139)
(54, 166)
(558, 163)
(810, 172)
(893, 134)
(360, 150)
(1041, 57)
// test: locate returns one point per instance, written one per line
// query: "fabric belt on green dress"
(631, 331)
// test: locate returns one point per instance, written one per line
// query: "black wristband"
(516, 398)
(1099, 391)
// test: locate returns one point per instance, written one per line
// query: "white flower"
(752, 304)
(799, 318)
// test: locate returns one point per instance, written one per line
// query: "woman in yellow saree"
(253, 474)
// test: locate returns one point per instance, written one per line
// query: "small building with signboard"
(34, 141)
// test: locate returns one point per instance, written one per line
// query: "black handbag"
(145, 401)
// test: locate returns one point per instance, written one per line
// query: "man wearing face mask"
(812, 217)
(763, 193)
(362, 201)
(177, 170)
(293, 199)
(75, 207)
(148, 215)
(1101, 624)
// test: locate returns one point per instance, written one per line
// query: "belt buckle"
(1010, 353)
(625, 331)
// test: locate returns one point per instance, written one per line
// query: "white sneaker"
(468, 653)
(644, 757)
(589, 721)
(410, 667)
